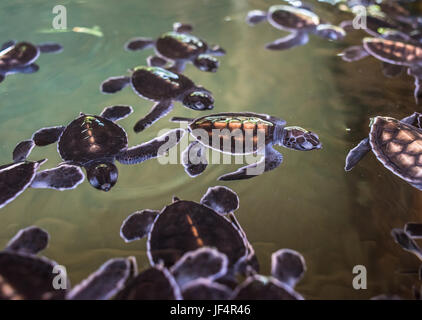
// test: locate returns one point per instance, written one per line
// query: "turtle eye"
(102, 176)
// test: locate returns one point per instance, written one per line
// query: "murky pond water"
(335, 219)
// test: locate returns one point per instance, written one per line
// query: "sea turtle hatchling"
(95, 142)
(179, 47)
(184, 226)
(298, 21)
(20, 57)
(242, 134)
(397, 144)
(163, 87)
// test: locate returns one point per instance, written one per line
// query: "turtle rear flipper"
(156, 61)
(203, 263)
(138, 225)
(354, 53)
(290, 41)
(271, 160)
(182, 27)
(50, 47)
(30, 240)
(63, 177)
(114, 84)
(139, 44)
(406, 242)
(159, 110)
(151, 149)
(22, 150)
(115, 113)
(287, 266)
(46, 136)
(7, 44)
(256, 16)
(221, 199)
(391, 70)
(357, 153)
(194, 159)
(104, 283)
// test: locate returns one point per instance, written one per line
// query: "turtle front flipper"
(205, 263)
(115, 84)
(290, 41)
(46, 136)
(139, 44)
(194, 159)
(159, 110)
(182, 27)
(288, 266)
(357, 153)
(415, 119)
(406, 242)
(156, 61)
(391, 70)
(181, 119)
(50, 47)
(104, 283)
(64, 177)
(256, 16)
(30, 240)
(7, 44)
(271, 160)
(221, 199)
(138, 225)
(151, 149)
(354, 53)
(22, 150)
(115, 113)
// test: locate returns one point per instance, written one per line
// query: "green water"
(335, 219)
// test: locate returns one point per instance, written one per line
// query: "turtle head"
(199, 99)
(297, 138)
(206, 62)
(102, 176)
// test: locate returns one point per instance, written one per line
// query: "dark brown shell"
(186, 226)
(394, 52)
(91, 138)
(288, 17)
(177, 46)
(235, 129)
(399, 148)
(156, 83)
(21, 54)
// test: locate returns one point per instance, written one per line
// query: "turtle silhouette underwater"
(396, 144)
(242, 134)
(299, 21)
(395, 55)
(163, 87)
(179, 47)
(95, 142)
(184, 226)
(20, 57)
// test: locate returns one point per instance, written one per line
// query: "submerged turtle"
(20, 57)
(396, 144)
(185, 226)
(241, 134)
(94, 143)
(287, 268)
(163, 87)
(298, 21)
(179, 47)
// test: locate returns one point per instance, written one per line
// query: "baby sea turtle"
(163, 87)
(298, 21)
(241, 134)
(396, 144)
(185, 226)
(95, 142)
(287, 268)
(179, 47)
(20, 57)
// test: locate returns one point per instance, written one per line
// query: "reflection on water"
(336, 220)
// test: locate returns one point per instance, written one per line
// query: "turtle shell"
(399, 148)
(291, 18)
(240, 133)
(177, 46)
(90, 138)
(156, 83)
(186, 226)
(394, 52)
(21, 54)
